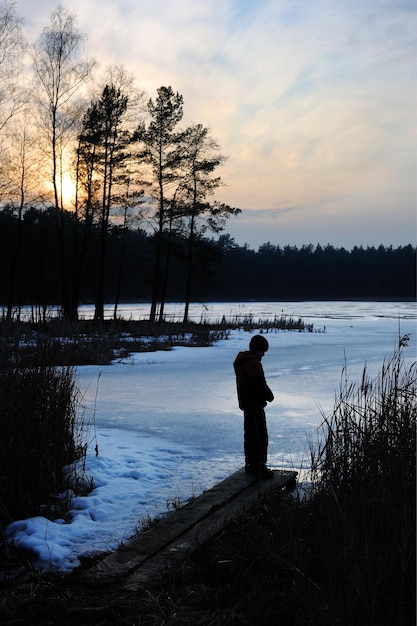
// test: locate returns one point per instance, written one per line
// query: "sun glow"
(67, 187)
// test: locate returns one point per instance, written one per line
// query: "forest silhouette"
(222, 270)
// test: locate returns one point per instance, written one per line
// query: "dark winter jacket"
(252, 390)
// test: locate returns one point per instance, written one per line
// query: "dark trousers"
(255, 436)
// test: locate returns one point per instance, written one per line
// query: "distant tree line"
(221, 270)
(316, 272)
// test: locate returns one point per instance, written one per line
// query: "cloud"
(315, 224)
(313, 102)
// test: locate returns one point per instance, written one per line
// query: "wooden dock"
(182, 531)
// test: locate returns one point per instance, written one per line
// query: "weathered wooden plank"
(183, 530)
(171, 526)
(204, 530)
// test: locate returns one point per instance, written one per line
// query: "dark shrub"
(38, 437)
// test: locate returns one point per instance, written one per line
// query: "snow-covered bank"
(167, 424)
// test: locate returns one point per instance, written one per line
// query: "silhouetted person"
(253, 394)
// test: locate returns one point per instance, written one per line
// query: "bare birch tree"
(11, 49)
(59, 75)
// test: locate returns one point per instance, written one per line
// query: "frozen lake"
(167, 424)
(187, 396)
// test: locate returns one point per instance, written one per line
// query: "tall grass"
(365, 483)
(39, 436)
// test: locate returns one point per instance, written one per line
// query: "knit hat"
(258, 343)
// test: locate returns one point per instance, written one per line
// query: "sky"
(312, 101)
(150, 452)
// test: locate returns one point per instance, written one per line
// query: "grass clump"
(40, 434)
(58, 342)
(365, 482)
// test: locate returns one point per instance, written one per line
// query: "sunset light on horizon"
(313, 104)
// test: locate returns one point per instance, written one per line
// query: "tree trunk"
(189, 270)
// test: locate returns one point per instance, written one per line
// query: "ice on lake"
(167, 425)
